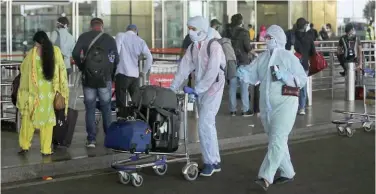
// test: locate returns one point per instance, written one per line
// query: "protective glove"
(189, 90)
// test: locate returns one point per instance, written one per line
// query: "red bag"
(318, 63)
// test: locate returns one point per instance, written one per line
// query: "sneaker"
(217, 167)
(247, 114)
(282, 180)
(301, 112)
(233, 114)
(208, 170)
(90, 144)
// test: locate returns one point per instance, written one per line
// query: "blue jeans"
(244, 94)
(90, 98)
(303, 96)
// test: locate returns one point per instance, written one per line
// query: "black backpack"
(95, 65)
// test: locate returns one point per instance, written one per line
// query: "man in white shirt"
(130, 46)
(64, 40)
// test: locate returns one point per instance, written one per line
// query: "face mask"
(307, 28)
(196, 36)
(271, 44)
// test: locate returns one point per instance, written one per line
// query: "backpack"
(349, 47)
(95, 65)
(15, 86)
(227, 50)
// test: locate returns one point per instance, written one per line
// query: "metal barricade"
(8, 71)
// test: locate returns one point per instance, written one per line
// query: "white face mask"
(271, 44)
(307, 28)
(196, 36)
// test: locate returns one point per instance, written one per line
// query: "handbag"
(59, 101)
(291, 91)
(318, 63)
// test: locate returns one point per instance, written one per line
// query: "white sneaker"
(90, 144)
(301, 112)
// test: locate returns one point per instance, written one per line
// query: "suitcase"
(165, 130)
(64, 128)
(129, 135)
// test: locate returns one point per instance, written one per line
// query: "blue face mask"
(196, 36)
(271, 44)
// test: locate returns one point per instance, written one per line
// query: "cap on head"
(215, 22)
(132, 27)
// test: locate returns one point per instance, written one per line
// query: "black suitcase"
(64, 129)
(169, 140)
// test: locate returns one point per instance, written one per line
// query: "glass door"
(29, 18)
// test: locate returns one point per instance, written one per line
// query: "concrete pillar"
(232, 8)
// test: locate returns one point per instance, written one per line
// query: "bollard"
(350, 81)
(309, 91)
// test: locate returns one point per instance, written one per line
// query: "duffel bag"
(155, 96)
(129, 135)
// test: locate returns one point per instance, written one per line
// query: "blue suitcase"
(129, 135)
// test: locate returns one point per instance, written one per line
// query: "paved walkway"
(229, 130)
(329, 165)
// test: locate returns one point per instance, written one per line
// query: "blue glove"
(189, 90)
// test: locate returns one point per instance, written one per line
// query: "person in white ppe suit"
(277, 111)
(209, 84)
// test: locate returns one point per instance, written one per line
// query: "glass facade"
(162, 23)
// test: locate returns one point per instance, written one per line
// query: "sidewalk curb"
(22, 173)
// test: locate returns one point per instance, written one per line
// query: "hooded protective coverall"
(277, 112)
(209, 84)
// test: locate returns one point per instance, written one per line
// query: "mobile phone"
(273, 69)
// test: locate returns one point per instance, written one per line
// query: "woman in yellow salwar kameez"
(43, 74)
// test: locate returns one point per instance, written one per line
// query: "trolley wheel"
(160, 170)
(124, 178)
(349, 132)
(137, 181)
(341, 130)
(368, 128)
(190, 172)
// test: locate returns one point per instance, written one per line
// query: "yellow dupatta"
(27, 96)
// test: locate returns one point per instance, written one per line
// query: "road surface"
(329, 165)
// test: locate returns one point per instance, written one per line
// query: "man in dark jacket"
(304, 45)
(108, 44)
(242, 46)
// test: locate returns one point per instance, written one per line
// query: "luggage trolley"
(128, 172)
(367, 119)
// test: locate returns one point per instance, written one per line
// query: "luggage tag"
(190, 106)
(191, 101)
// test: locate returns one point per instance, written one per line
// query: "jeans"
(244, 94)
(303, 96)
(90, 98)
(124, 85)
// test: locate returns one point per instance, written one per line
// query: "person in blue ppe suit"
(277, 111)
(209, 84)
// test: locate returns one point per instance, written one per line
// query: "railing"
(329, 79)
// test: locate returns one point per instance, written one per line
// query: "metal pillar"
(309, 90)
(350, 81)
